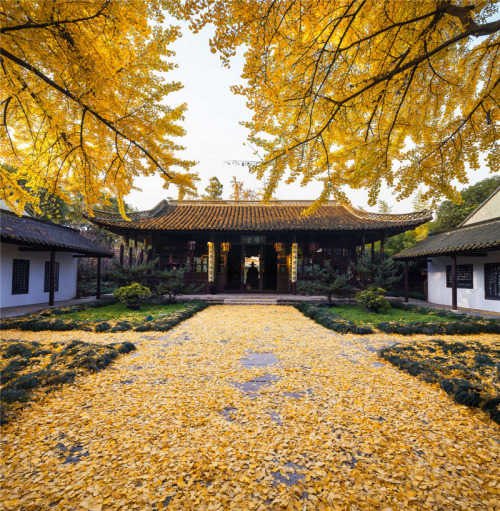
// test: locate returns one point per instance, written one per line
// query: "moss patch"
(114, 317)
(358, 315)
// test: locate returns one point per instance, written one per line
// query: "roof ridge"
(461, 227)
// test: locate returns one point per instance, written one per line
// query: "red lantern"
(313, 248)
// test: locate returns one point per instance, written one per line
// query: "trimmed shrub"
(330, 320)
(373, 299)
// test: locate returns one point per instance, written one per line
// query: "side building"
(38, 260)
(463, 264)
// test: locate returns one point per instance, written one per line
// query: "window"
(492, 281)
(464, 276)
(46, 278)
(20, 276)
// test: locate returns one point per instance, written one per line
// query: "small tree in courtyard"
(325, 281)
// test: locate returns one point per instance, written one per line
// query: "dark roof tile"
(28, 231)
(256, 216)
(468, 238)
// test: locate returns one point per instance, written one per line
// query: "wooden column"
(122, 251)
(363, 247)
(52, 276)
(373, 250)
(149, 255)
(382, 243)
(98, 290)
(261, 268)
(242, 284)
(406, 281)
(141, 256)
(454, 305)
(130, 256)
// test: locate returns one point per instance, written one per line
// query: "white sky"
(214, 134)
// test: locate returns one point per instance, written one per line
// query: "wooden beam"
(98, 290)
(52, 276)
(454, 305)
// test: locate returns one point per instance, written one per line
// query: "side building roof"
(32, 232)
(199, 215)
(467, 238)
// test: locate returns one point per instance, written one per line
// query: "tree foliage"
(214, 189)
(450, 214)
(342, 91)
(82, 99)
(239, 192)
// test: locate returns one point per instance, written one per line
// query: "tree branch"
(70, 95)
(5, 30)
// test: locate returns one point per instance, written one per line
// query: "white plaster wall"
(468, 298)
(67, 276)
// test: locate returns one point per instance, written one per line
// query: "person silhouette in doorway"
(253, 277)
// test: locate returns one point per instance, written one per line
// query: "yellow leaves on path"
(182, 423)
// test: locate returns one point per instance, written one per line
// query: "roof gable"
(488, 210)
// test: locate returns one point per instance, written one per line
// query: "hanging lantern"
(226, 246)
(192, 245)
(279, 247)
(313, 247)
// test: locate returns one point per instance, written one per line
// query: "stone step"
(251, 301)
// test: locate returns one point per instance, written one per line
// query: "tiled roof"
(199, 215)
(32, 232)
(468, 238)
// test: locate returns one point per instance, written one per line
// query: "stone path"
(250, 408)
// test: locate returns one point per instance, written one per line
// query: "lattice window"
(46, 278)
(492, 281)
(464, 276)
(20, 277)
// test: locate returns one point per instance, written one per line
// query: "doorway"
(270, 260)
(234, 268)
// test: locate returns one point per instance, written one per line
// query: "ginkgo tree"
(365, 92)
(82, 99)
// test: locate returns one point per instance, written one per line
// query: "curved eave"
(448, 251)
(124, 227)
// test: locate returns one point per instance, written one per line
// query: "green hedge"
(42, 321)
(463, 325)
(463, 369)
(330, 320)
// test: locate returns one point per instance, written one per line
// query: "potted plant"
(373, 299)
(130, 295)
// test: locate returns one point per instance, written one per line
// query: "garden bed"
(29, 365)
(468, 371)
(400, 319)
(106, 316)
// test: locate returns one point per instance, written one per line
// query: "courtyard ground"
(249, 408)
